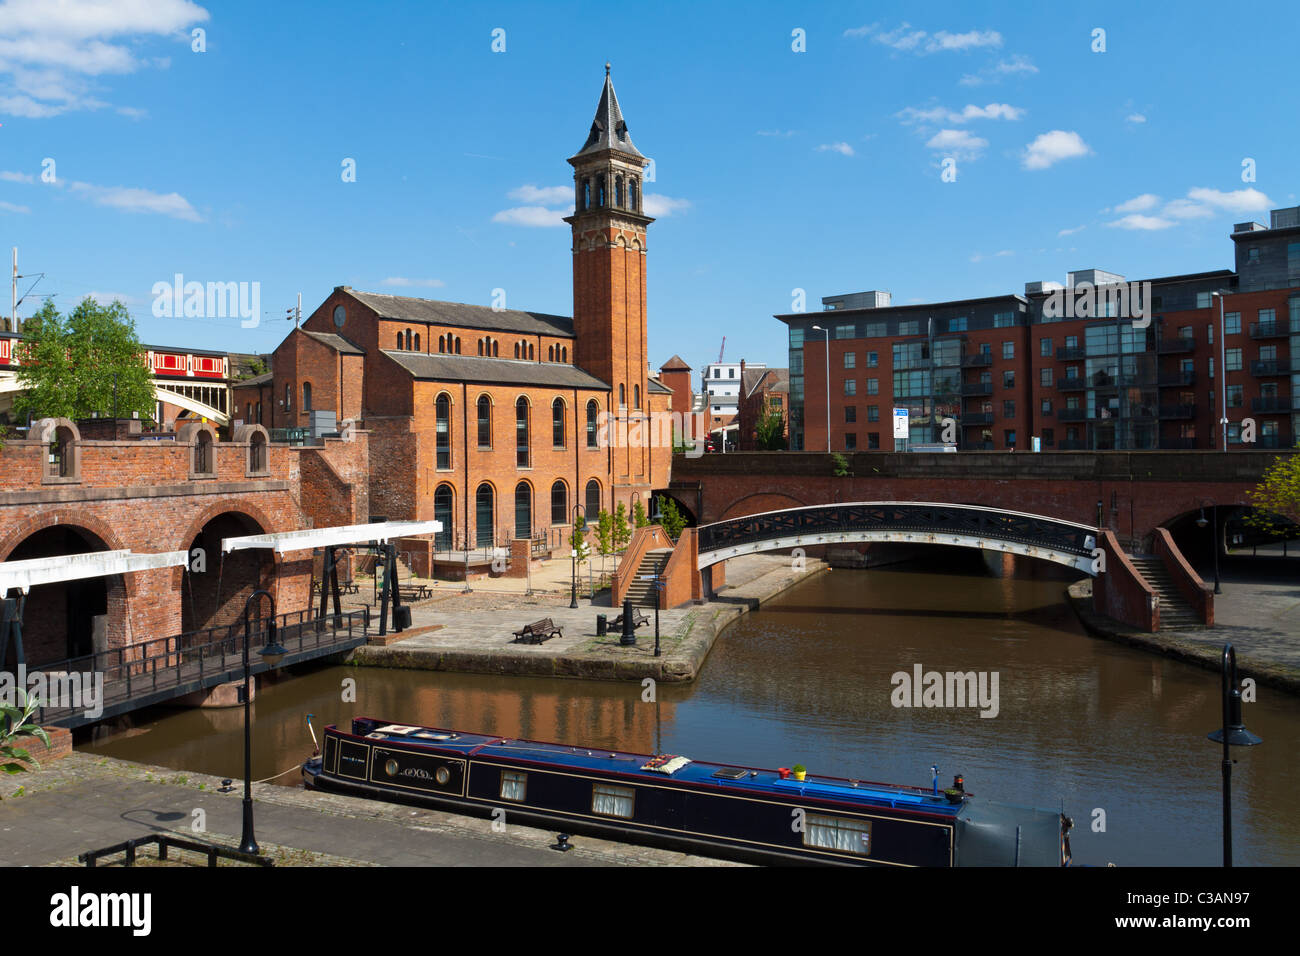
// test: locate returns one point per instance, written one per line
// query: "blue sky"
(775, 169)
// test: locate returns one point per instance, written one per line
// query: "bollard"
(602, 625)
(629, 625)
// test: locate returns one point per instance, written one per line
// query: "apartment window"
(1187, 332)
(1232, 360)
(850, 360)
(1267, 353)
(850, 387)
(1045, 377)
(873, 413)
(873, 386)
(873, 359)
(844, 331)
(1209, 333)
(1267, 316)
(1049, 438)
(1008, 379)
(1234, 396)
(1071, 341)
(1045, 406)
(850, 414)
(1010, 436)
(850, 441)
(957, 324)
(1002, 320)
(731, 373)
(1045, 348)
(1203, 300)
(908, 328)
(1008, 409)
(1232, 323)
(1211, 366)
(874, 330)
(610, 801)
(873, 440)
(1008, 350)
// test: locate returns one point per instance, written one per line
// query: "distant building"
(762, 391)
(721, 387)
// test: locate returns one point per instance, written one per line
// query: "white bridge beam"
(309, 538)
(25, 575)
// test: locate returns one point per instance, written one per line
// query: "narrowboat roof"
(670, 767)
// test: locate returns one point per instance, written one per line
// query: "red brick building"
(498, 422)
(763, 391)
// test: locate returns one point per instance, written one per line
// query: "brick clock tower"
(609, 286)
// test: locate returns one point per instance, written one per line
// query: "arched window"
(442, 414)
(203, 464)
(259, 413)
(442, 343)
(417, 341)
(408, 340)
(592, 507)
(516, 350)
(600, 190)
(523, 510)
(586, 193)
(483, 516)
(399, 341)
(458, 345)
(480, 346)
(248, 413)
(306, 396)
(257, 453)
(550, 353)
(618, 192)
(63, 454)
(484, 422)
(495, 351)
(622, 396)
(521, 433)
(288, 398)
(593, 419)
(564, 354)
(531, 354)
(557, 423)
(636, 396)
(443, 509)
(632, 199)
(559, 503)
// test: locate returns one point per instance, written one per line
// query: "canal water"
(1113, 735)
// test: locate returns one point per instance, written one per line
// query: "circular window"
(443, 775)
(340, 316)
(390, 768)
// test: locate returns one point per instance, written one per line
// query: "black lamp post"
(578, 512)
(272, 653)
(1232, 734)
(1201, 523)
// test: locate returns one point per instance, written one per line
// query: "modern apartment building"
(1098, 362)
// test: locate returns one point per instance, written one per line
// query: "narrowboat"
(712, 809)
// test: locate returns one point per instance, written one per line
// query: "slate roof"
(654, 385)
(608, 130)
(255, 380)
(469, 368)
(675, 364)
(337, 342)
(777, 380)
(463, 315)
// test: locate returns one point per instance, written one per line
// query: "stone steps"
(642, 592)
(1176, 613)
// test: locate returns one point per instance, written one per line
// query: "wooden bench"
(414, 592)
(538, 631)
(638, 620)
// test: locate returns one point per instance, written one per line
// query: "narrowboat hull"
(704, 808)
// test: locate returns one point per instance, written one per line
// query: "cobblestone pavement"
(85, 802)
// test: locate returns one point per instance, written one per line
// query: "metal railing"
(1276, 403)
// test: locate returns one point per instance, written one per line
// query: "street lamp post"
(1232, 733)
(1201, 523)
(828, 385)
(1223, 373)
(272, 653)
(578, 512)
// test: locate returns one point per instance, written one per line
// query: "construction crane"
(721, 350)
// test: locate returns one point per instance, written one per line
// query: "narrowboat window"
(837, 833)
(513, 785)
(612, 801)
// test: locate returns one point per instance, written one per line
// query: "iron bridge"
(970, 526)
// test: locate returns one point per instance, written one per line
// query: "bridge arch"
(215, 586)
(1037, 536)
(767, 501)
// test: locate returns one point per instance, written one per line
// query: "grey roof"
(608, 131)
(255, 380)
(777, 379)
(462, 315)
(470, 368)
(654, 385)
(337, 342)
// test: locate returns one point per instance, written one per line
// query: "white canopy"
(309, 538)
(25, 575)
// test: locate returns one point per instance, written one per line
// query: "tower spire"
(608, 129)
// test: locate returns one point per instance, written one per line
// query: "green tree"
(840, 466)
(671, 517)
(622, 533)
(578, 540)
(639, 517)
(770, 430)
(605, 532)
(1277, 496)
(16, 722)
(87, 361)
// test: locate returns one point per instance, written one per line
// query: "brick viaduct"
(97, 486)
(1138, 491)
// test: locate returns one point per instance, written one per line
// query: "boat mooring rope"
(290, 770)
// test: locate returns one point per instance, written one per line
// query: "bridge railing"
(166, 663)
(1034, 530)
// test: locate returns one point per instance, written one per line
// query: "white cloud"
(532, 216)
(11, 207)
(1070, 232)
(844, 149)
(1135, 118)
(108, 298)
(12, 177)
(661, 207)
(1186, 209)
(131, 199)
(1139, 203)
(777, 132)
(48, 49)
(1002, 254)
(958, 143)
(406, 283)
(543, 195)
(1237, 201)
(1139, 222)
(906, 40)
(1052, 147)
(940, 114)
(1003, 68)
